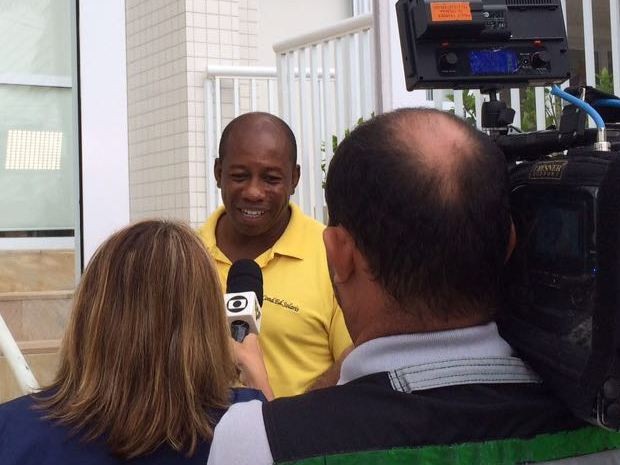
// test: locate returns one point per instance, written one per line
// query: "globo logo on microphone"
(243, 306)
(237, 304)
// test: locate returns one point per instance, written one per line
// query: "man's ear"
(296, 174)
(340, 248)
(217, 171)
(512, 241)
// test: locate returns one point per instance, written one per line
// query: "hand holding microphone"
(243, 301)
(251, 366)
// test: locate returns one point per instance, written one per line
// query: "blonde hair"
(146, 357)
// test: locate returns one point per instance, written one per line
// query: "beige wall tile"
(23, 271)
(169, 45)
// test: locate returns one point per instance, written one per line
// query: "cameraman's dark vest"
(376, 420)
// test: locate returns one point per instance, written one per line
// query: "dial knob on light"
(448, 61)
(540, 59)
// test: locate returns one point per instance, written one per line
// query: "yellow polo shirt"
(302, 328)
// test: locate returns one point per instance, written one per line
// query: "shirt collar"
(208, 234)
(395, 352)
(291, 243)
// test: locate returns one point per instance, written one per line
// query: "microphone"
(244, 298)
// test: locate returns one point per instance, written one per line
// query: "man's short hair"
(434, 239)
(245, 118)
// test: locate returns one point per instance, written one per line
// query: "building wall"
(157, 108)
(169, 44)
(277, 20)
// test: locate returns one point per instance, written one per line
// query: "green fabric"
(541, 448)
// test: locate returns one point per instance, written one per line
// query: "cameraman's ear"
(339, 246)
(512, 241)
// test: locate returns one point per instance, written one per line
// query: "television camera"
(562, 283)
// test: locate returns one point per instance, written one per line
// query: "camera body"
(562, 283)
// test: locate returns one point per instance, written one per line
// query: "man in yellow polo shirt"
(303, 334)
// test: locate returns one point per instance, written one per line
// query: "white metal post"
(459, 108)
(25, 378)
(515, 104)
(316, 154)
(253, 96)
(614, 17)
(588, 42)
(341, 107)
(356, 77)
(236, 97)
(478, 99)
(305, 135)
(328, 100)
(271, 93)
(438, 98)
(566, 83)
(210, 147)
(540, 107)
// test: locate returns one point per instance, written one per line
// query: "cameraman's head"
(419, 223)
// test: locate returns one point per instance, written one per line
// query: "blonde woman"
(146, 366)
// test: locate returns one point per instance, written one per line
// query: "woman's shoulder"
(20, 409)
(24, 432)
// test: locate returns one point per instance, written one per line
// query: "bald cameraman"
(419, 231)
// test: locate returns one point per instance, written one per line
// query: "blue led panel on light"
(483, 62)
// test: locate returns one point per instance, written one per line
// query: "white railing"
(321, 106)
(8, 347)
(614, 19)
(543, 101)
(362, 7)
(229, 92)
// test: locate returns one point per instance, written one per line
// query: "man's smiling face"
(257, 176)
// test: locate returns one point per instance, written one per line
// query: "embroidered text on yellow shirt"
(282, 303)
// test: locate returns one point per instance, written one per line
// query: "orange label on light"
(450, 11)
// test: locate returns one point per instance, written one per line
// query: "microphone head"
(245, 276)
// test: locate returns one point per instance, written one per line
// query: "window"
(37, 154)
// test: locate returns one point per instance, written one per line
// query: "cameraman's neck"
(395, 322)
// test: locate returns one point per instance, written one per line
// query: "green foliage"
(335, 143)
(469, 105)
(553, 109)
(528, 110)
(605, 81)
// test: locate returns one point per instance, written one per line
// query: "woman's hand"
(249, 361)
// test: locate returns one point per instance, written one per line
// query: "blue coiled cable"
(600, 124)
